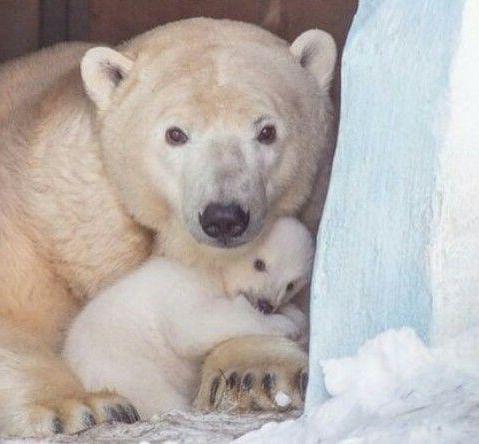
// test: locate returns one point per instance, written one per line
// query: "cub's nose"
(224, 221)
(264, 306)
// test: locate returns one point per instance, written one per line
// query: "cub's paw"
(300, 320)
(69, 415)
(252, 373)
(283, 326)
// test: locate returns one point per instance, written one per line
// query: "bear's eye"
(290, 286)
(267, 134)
(259, 265)
(175, 136)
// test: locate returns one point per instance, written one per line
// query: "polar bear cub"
(146, 336)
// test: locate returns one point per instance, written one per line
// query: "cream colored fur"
(82, 189)
(146, 336)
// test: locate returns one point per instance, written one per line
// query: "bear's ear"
(316, 51)
(102, 70)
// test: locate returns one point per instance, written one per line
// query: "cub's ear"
(316, 51)
(102, 70)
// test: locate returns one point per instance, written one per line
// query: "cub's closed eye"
(175, 136)
(259, 265)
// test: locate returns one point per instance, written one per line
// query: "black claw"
(125, 417)
(132, 413)
(214, 389)
(304, 381)
(247, 382)
(268, 383)
(89, 420)
(112, 414)
(119, 413)
(57, 425)
(303, 384)
(232, 381)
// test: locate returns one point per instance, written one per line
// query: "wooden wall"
(19, 27)
(26, 25)
(115, 20)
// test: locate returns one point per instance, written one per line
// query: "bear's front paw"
(69, 415)
(252, 373)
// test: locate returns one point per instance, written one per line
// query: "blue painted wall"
(372, 266)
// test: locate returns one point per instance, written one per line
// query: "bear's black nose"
(224, 221)
(264, 306)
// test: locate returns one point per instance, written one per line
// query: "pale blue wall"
(371, 270)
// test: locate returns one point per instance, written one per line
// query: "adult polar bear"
(203, 131)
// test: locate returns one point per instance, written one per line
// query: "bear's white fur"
(87, 180)
(146, 336)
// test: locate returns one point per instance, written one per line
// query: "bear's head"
(273, 272)
(212, 127)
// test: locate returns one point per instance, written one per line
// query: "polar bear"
(201, 131)
(146, 336)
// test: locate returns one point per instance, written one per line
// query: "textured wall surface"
(380, 236)
(455, 252)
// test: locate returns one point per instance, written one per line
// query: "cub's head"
(272, 273)
(213, 127)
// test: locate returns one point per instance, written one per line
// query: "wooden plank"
(333, 16)
(53, 22)
(78, 20)
(19, 21)
(115, 20)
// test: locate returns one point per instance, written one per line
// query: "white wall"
(399, 239)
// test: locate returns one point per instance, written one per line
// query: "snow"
(282, 399)
(394, 390)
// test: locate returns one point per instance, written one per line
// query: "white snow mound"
(395, 390)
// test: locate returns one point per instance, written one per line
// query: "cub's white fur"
(146, 336)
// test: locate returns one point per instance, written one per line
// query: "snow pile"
(394, 390)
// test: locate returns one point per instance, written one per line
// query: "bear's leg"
(253, 373)
(40, 396)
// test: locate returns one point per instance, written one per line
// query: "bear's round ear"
(102, 70)
(316, 51)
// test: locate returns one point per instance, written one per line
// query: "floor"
(177, 427)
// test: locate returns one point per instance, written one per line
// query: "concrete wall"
(399, 240)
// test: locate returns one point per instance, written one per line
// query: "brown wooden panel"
(53, 23)
(78, 25)
(113, 21)
(19, 24)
